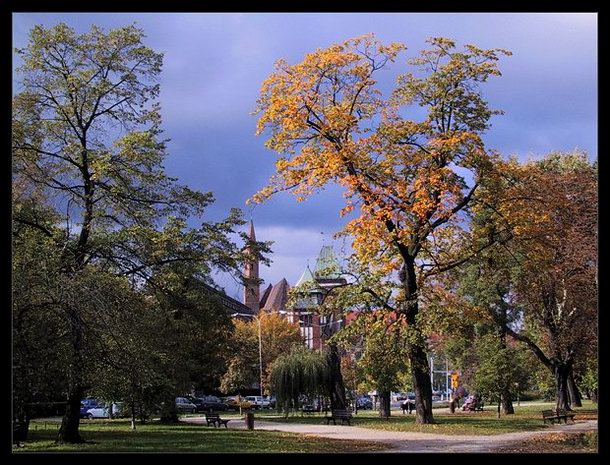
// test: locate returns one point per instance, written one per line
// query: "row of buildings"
(315, 328)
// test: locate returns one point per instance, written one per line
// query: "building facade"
(315, 328)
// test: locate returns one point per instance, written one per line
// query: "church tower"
(252, 293)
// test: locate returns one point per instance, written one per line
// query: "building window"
(305, 320)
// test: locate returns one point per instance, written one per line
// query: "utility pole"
(447, 377)
(260, 357)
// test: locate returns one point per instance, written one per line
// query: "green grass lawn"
(526, 418)
(116, 436)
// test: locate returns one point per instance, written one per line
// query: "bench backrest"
(549, 413)
(211, 415)
(342, 413)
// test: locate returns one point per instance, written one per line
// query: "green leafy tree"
(382, 354)
(550, 207)
(37, 341)
(485, 284)
(498, 371)
(192, 338)
(301, 372)
(87, 136)
(124, 359)
(590, 379)
(277, 337)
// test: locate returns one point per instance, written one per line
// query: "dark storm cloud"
(214, 65)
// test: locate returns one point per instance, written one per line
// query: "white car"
(259, 402)
(256, 401)
(103, 411)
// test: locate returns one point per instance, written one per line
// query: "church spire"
(252, 235)
(251, 284)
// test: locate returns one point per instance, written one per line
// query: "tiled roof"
(230, 304)
(265, 295)
(306, 277)
(278, 297)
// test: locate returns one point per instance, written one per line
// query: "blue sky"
(215, 63)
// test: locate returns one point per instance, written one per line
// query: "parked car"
(185, 405)
(90, 402)
(233, 403)
(84, 413)
(267, 402)
(103, 411)
(208, 403)
(257, 402)
(364, 402)
(199, 404)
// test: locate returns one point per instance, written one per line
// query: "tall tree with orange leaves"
(412, 181)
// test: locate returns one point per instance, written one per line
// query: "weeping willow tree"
(300, 372)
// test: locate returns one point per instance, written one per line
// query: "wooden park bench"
(559, 414)
(586, 412)
(565, 414)
(214, 418)
(344, 415)
(407, 406)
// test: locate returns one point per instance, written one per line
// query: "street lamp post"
(260, 356)
(260, 346)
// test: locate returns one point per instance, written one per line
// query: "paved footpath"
(411, 441)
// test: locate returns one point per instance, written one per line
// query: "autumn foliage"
(408, 182)
(330, 123)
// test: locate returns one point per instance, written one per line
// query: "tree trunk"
(507, 403)
(420, 371)
(561, 372)
(22, 411)
(384, 404)
(169, 414)
(573, 392)
(68, 432)
(505, 397)
(133, 414)
(421, 385)
(337, 388)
